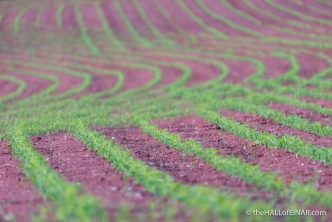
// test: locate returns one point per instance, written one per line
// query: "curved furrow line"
(115, 23)
(244, 63)
(326, 3)
(311, 11)
(8, 19)
(127, 66)
(69, 18)
(10, 92)
(228, 156)
(307, 114)
(85, 77)
(28, 19)
(137, 37)
(159, 20)
(237, 63)
(292, 121)
(305, 16)
(270, 126)
(316, 6)
(37, 20)
(170, 25)
(85, 32)
(188, 170)
(161, 111)
(135, 17)
(102, 62)
(269, 140)
(59, 15)
(149, 84)
(296, 69)
(153, 29)
(78, 164)
(89, 15)
(214, 44)
(264, 27)
(229, 28)
(17, 24)
(261, 7)
(34, 83)
(48, 19)
(200, 22)
(26, 62)
(171, 78)
(303, 12)
(109, 31)
(160, 183)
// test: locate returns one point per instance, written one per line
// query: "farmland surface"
(165, 110)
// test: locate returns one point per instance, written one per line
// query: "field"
(165, 110)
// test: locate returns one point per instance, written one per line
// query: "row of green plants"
(21, 86)
(235, 167)
(85, 32)
(70, 204)
(202, 199)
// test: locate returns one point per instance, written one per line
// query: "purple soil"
(67, 82)
(196, 9)
(90, 16)
(134, 77)
(275, 67)
(78, 164)
(201, 72)
(28, 19)
(328, 52)
(170, 75)
(263, 5)
(317, 4)
(311, 65)
(305, 10)
(184, 168)
(114, 19)
(135, 19)
(180, 18)
(321, 102)
(239, 71)
(8, 20)
(17, 195)
(157, 17)
(267, 125)
(100, 83)
(7, 87)
(289, 165)
(34, 85)
(266, 20)
(307, 114)
(218, 8)
(69, 18)
(48, 18)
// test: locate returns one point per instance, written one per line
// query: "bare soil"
(288, 165)
(17, 195)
